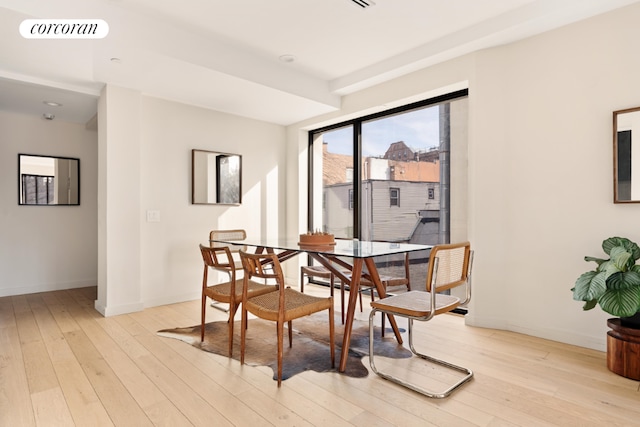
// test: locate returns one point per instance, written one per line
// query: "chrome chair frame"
(432, 312)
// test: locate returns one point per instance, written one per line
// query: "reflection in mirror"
(626, 160)
(44, 180)
(216, 178)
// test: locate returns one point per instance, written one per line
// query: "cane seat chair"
(230, 292)
(449, 267)
(323, 272)
(282, 306)
(237, 234)
(316, 271)
(392, 284)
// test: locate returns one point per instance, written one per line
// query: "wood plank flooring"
(63, 364)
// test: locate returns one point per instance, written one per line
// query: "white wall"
(540, 167)
(119, 192)
(546, 104)
(45, 248)
(169, 262)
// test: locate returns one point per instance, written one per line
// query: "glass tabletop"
(343, 247)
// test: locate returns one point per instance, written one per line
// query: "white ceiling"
(224, 54)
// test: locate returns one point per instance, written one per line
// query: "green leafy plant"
(615, 283)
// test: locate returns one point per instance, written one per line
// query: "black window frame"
(395, 198)
(357, 151)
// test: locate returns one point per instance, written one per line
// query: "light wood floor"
(61, 364)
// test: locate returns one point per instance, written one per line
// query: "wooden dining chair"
(282, 306)
(323, 272)
(316, 271)
(230, 292)
(449, 267)
(392, 284)
(237, 234)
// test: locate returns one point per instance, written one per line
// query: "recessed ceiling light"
(287, 58)
(52, 103)
(116, 60)
(48, 116)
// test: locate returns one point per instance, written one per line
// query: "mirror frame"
(617, 165)
(218, 178)
(22, 202)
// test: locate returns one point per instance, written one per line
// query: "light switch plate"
(153, 216)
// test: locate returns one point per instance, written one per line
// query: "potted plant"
(615, 286)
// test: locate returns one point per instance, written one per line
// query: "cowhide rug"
(310, 350)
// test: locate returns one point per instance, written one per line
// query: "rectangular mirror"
(626, 159)
(48, 181)
(216, 178)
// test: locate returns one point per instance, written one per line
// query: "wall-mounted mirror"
(216, 178)
(626, 158)
(48, 181)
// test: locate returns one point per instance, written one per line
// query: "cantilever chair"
(449, 267)
(220, 259)
(282, 306)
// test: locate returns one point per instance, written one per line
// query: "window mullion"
(357, 178)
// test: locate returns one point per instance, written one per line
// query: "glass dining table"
(345, 259)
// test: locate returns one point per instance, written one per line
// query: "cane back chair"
(449, 267)
(237, 234)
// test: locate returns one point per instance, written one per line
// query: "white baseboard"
(594, 342)
(172, 299)
(115, 310)
(46, 287)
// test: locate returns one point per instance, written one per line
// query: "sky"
(419, 129)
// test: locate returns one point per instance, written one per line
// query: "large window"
(334, 170)
(359, 169)
(387, 176)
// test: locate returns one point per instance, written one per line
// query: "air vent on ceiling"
(363, 3)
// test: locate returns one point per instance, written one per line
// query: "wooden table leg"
(375, 277)
(354, 287)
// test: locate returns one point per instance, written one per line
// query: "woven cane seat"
(416, 304)
(222, 291)
(296, 304)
